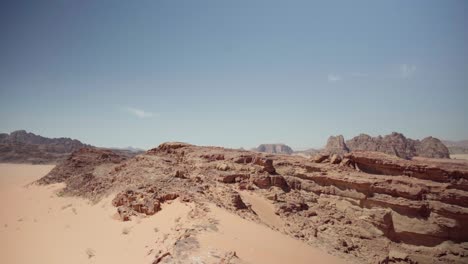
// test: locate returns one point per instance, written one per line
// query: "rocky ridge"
(21, 146)
(367, 207)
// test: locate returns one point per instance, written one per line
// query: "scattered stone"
(180, 174)
(335, 159)
(237, 202)
(223, 167)
(90, 252)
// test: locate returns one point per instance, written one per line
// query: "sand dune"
(38, 226)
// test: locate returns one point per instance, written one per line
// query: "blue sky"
(233, 73)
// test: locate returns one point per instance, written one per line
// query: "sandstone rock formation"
(394, 144)
(431, 147)
(274, 149)
(367, 207)
(336, 145)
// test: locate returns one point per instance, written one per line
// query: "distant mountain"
(23, 147)
(127, 152)
(307, 152)
(274, 148)
(133, 149)
(394, 144)
(457, 147)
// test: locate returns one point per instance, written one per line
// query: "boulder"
(319, 158)
(335, 159)
(213, 157)
(237, 202)
(232, 178)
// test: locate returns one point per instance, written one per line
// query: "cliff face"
(394, 144)
(21, 146)
(274, 148)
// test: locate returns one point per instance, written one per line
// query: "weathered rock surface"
(87, 172)
(368, 207)
(143, 200)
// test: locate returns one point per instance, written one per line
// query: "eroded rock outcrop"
(143, 200)
(368, 207)
(81, 171)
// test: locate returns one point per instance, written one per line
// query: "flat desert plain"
(40, 226)
(459, 156)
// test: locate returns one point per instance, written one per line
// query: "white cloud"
(406, 70)
(334, 78)
(138, 112)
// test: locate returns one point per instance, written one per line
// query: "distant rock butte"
(394, 144)
(274, 148)
(336, 145)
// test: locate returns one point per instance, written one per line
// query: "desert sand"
(459, 156)
(38, 226)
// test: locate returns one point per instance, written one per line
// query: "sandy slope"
(37, 226)
(254, 243)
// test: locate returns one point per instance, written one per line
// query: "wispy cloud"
(138, 112)
(334, 78)
(407, 70)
